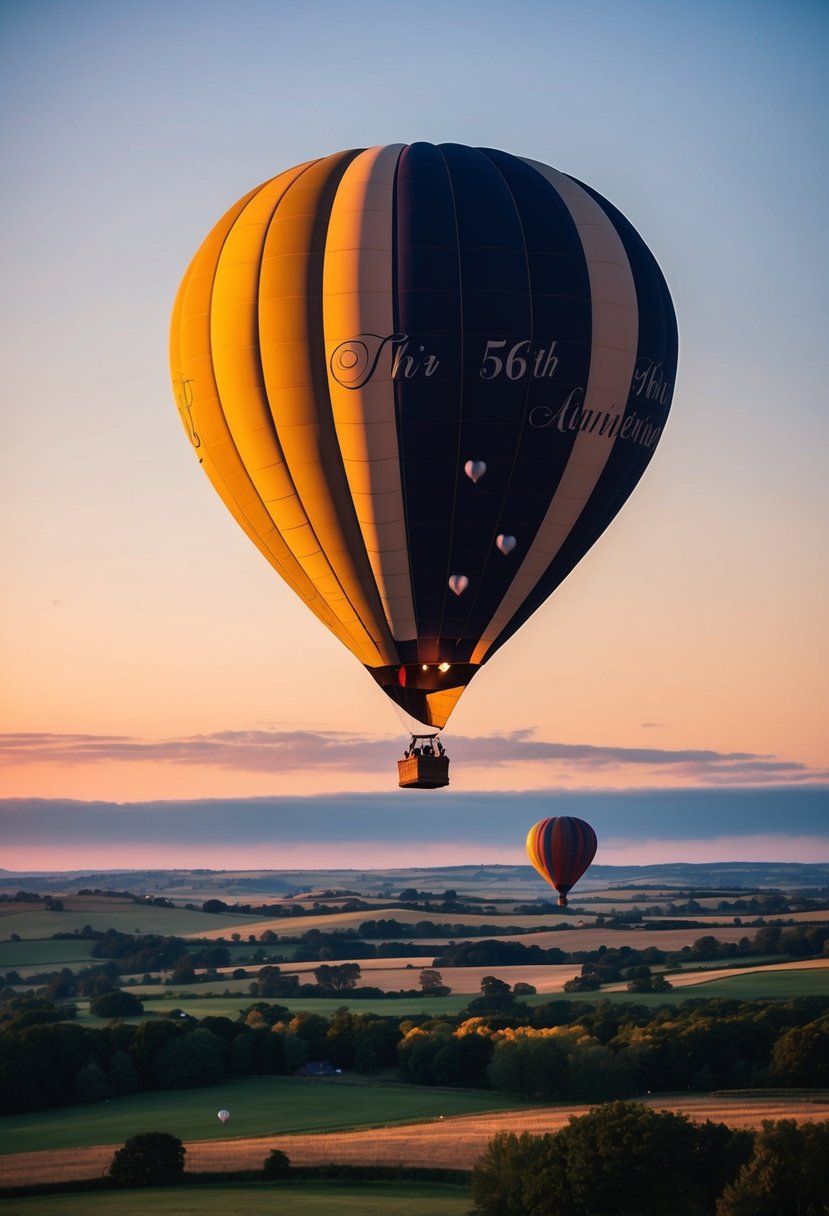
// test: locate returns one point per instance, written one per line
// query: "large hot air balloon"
(423, 379)
(561, 849)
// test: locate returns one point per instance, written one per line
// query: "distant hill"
(182, 884)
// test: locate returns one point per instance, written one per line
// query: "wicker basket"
(423, 772)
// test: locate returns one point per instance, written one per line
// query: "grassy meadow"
(780, 983)
(257, 1199)
(259, 1106)
(102, 912)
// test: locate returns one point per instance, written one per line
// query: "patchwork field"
(345, 1120)
(448, 1142)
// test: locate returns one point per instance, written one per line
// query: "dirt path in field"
(448, 1143)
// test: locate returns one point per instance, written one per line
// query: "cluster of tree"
(542, 909)
(65, 984)
(567, 1050)
(639, 979)
(108, 893)
(150, 951)
(290, 910)
(561, 1050)
(332, 979)
(387, 927)
(802, 940)
(157, 1159)
(45, 1063)
(149, 1159)
(766, 904)
(625, 1157)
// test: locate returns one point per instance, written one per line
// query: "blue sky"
(148, 653)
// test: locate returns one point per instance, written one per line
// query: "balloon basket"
(422, 768)
(423, 772)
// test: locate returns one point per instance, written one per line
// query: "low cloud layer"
(275, 751)
(477, 820)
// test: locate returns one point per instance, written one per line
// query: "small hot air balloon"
(561, 849)
(475, 469)
(505, 543)
(363, 337)
(223, 1116)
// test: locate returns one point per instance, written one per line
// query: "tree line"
(562, 1050)
(567, 1050)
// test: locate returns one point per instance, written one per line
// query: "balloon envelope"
(361, 337)
(223, 1116)
(561, 849)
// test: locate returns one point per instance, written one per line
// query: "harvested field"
(688, 979)
(447, 1143)
(590, 938)
(393, 974)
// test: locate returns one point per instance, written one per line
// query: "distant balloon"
(458, 583)
(475, 469)
(363, 337)
(561, 849)
(223, 1116)
(505, 543)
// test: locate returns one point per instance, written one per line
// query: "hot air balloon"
(423, 379)
(223, 1116)
(561, 849)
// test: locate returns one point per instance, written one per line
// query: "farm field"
(257, 1199)
(328, 921)
(774, 982)
(464, 981)
(590, 937)
(34, 955)
(784, 983)
(33, 921)
(229, 1006)
(820, 966)
(259, 1106)
(451, 1143)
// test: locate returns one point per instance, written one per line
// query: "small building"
(317, 1068)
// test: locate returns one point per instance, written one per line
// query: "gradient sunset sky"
(149, 652)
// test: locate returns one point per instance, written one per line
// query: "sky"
(148, 654)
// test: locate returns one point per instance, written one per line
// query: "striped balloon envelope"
(423, 379)
(561, 849)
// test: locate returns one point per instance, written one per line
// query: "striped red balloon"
(561, 849)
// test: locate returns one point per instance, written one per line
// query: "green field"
(261, 1106)
(35, 921)
(229, 1006)
(762, 985)
(258, 1199)
(39, 955)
